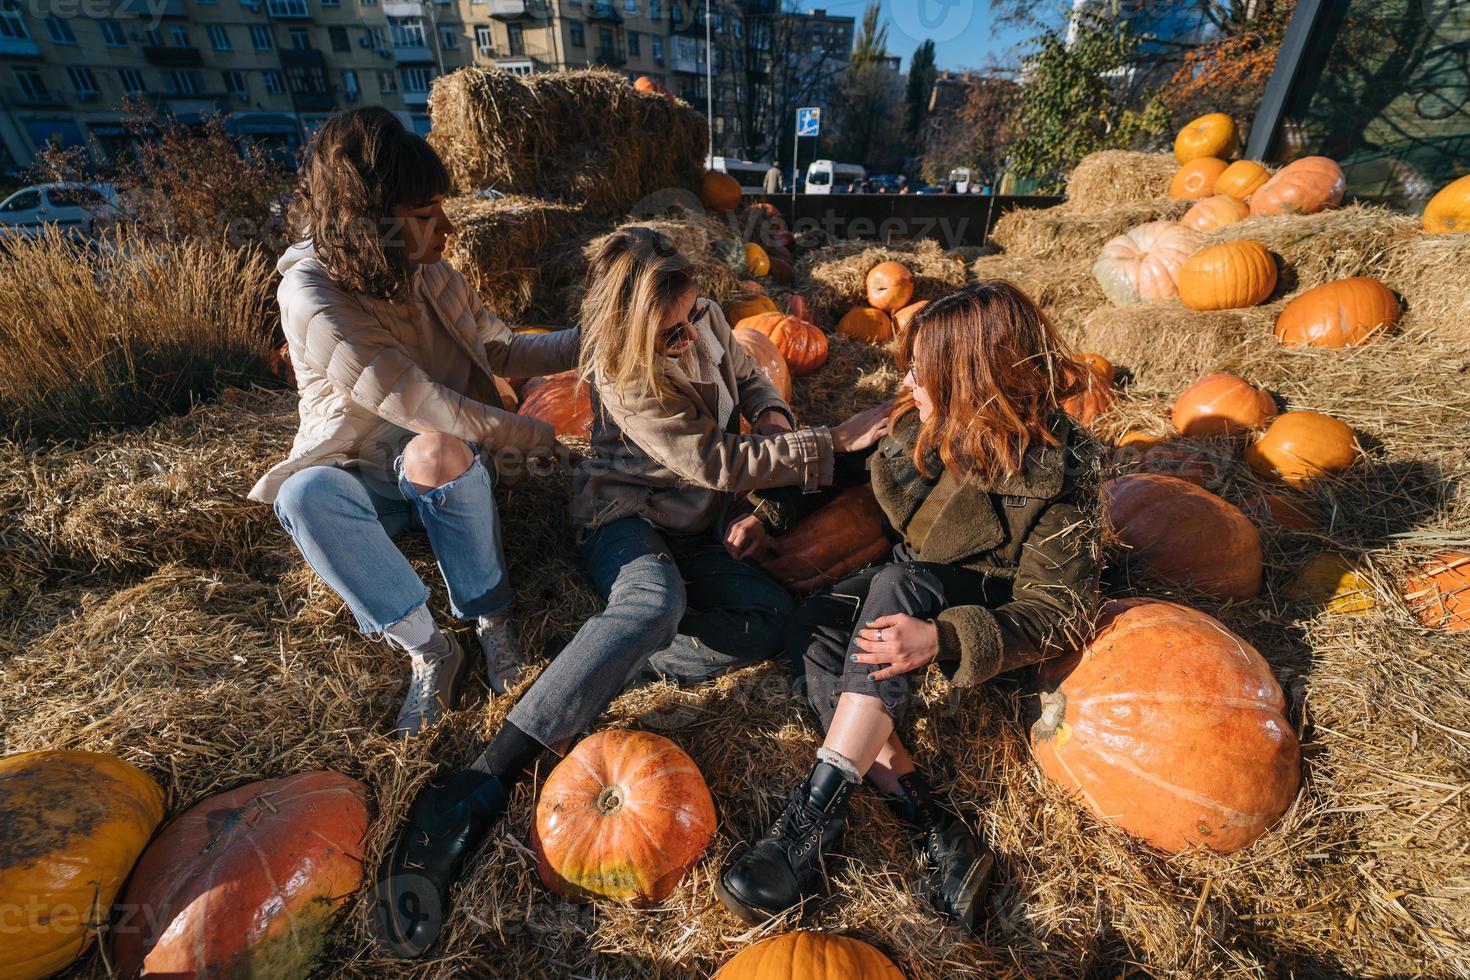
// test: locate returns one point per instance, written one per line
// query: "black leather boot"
(788, 864)
(955, 865)
(446, 822)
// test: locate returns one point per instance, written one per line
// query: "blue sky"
(964, 31)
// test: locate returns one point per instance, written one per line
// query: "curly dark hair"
(360, 164)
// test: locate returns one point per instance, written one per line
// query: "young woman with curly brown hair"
(991, 494)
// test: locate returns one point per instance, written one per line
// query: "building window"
(407, 32)
(448, 39)
(274, 83)
(153, 38)
(60, 31)
(604, 39)
(517, 34)
(307, 80)
(260, 36)
(132, 81)
(12, 24)
(32, 85)
(180, 37)
(521, 69)
(237, 85)
(84, 82)
(112, 34)
(219, 37)
(368, 3)
(579, 40)
(288, 8)
(484, 40)
(331, 3)
(630, 6)
(349, 84)
(658, 50)
(655, 9)
(633, 44)
(340, 40)
(300, 39)
(416, 79)
(387, 82)
(182, 82)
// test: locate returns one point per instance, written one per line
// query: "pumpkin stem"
(1053, 713)
(610, 800)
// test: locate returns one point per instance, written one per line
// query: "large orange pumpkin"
(719, 192)
(1212, 213)
(830, 544)
(890, 286)
(1171, 727)
(809, 956)
(866, 324)
(1222, 405)
(756, 259)
(1449, 210)
(71, 826)
(1242, 179)
(1142, 265)
(622, 817)
(902, 317)
(246, 883)
(767, 358)
(748, 306)
(1227, 276)
(1211, 135)
(1301, 447)
(1439, 594)
(1303, 186)
(562, 400)
(801, 342)
(1185, 534)
(1196, 179)
(1097, 397)
(1338, 314)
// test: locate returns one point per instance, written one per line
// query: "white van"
(961, 177)
(751, 176)
(822, 176)
(70, 207)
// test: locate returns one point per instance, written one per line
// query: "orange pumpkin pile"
(1448, 211)
(767, 358)
(801, 342)
(1439, 593)
(805, 955)
(1227, 276)
(1303, 186)
(872, 326)
(1211, 135)
(1302, 447)
(1196, 179)
(1338, 314)
(1142, 265)
(824, 547)
(719, 192)
(1222, 405)
(563, 400)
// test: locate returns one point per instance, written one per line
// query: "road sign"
(809, 121)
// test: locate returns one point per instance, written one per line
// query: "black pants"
(819, 636)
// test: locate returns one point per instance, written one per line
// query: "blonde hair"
(633, 280)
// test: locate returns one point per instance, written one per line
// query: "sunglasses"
(677, 332)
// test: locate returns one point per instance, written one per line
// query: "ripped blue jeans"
(344, 529)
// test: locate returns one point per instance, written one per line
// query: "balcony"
(607, 54)
(20, 97)
(603, 10)
(413, 54)
(685, 56)
(416, 100)
(288, 9)
(18, 47)
(173, 57)
(516, 9)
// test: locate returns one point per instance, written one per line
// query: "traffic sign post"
(808, 123)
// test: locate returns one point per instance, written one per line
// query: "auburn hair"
(633, 281)
(359, 166)
(997, 373)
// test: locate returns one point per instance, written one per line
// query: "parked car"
(72, 207)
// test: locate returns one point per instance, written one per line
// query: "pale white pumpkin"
(1141, 266)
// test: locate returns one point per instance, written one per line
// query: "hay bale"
(695, 235)
(1110, 178)
(1065, 291)
(834, 278)
(584, 138)
(1067, 233)
(856, 376)
(1358, 240)
(1168, 347)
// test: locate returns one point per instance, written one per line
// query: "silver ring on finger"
(880, 636)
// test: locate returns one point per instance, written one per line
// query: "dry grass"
(1110, 178)
(1066, 291)
(118, 337)
(1067, 233)
(834, 279)
(585, 138)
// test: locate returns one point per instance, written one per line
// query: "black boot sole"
(753, 914)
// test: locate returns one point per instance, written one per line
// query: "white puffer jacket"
(360, 388)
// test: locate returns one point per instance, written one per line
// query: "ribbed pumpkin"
(1185, 534)
(902, 317)
(1242, 179)
(1227, 276)
(1303, 186)
(1449, 210)
(1214, 212)
(1222, 405)
(1142, 265)
(1211, 135)
(809, 956)
(562, 400)
(71, 826)
(1097, 397)
(756, 259)
(1196, 179)
(622, 817)
(1170, 727)
(745, 307)
(1439, 594)
(890, 286)
(1333, 583)
(826, 546)
(866, 324)
(719, 192)
(801, 342)
(1300, 447)
(1338, 314)
(246, 883)
(767, 358)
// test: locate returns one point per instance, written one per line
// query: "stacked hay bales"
(834, 279)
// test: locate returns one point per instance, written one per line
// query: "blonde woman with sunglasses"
(669, 388)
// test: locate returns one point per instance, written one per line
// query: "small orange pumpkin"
(1211, 135)
(1142, 264)
(562, 400)
(1439, 594)
(622, 817)
(890, 286)
(1301, 447)
(767, 358)
(1303, 186)
(1100, 364)
(866, 324)
(1097, 397)
(747, 306)
(902, 317)
(801, 342)
(796, 305)
(1338, 314)
(1222, 405)
(830, 544)
(1227, 276)
(1185, 534)
(1214, 212)
(757, 260)
(1449, 210)
(1196, 179)
(719, 192)
(809, 956)
(1242, 179)
(1292, 512)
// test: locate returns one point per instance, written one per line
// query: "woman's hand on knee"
(902, 642)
